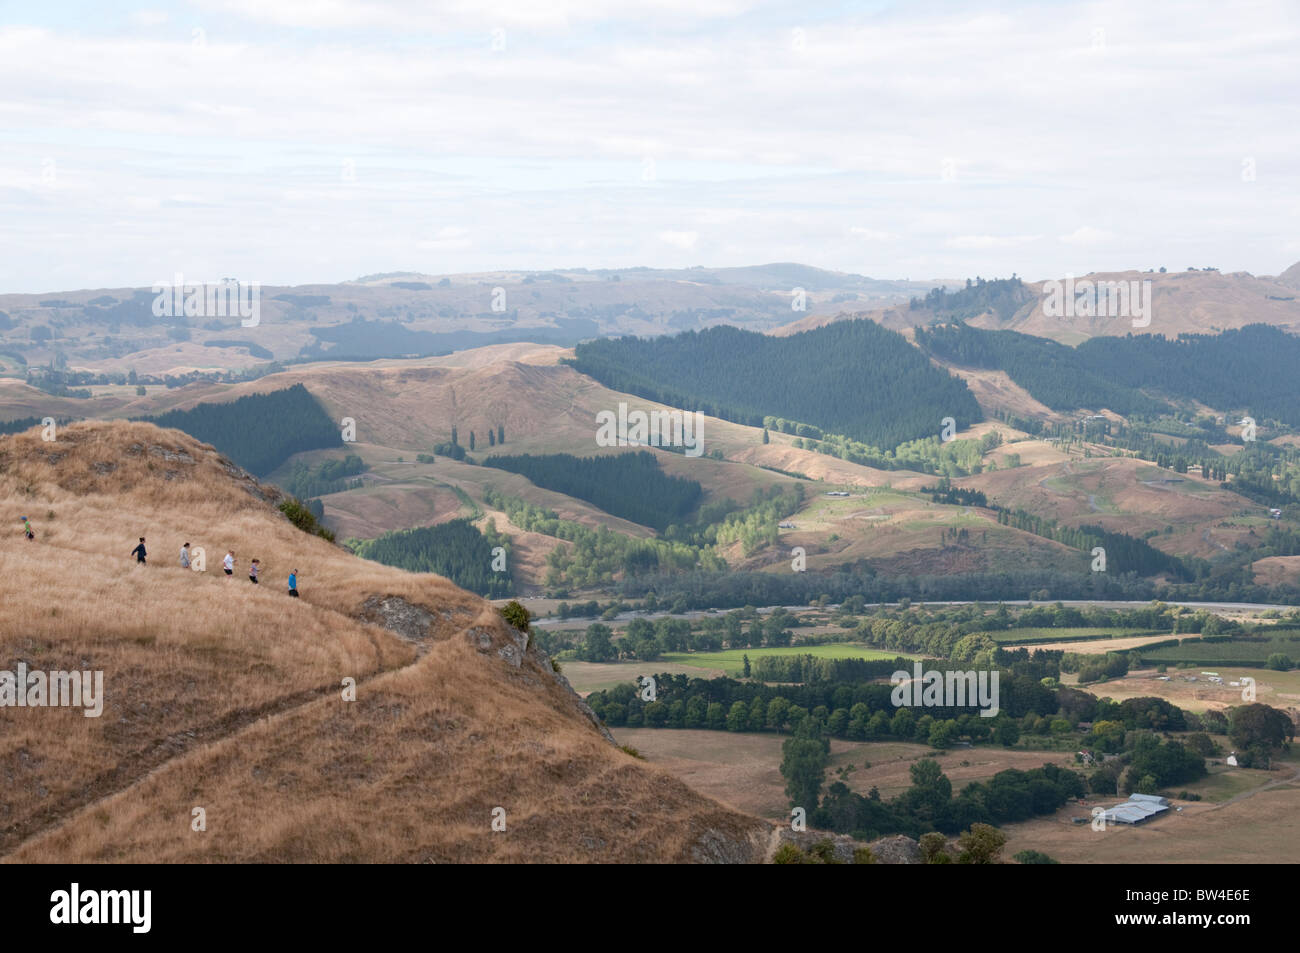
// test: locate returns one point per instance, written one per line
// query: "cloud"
(149, 18)
(436, 15)
(870, 234)
(1087, 235)
(447, 238)
(541, 147)
(683, 240)
(990, 241)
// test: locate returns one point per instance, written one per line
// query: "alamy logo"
(937, 689)
(1099, 299)
(225, 299)
(24, 689)
(133, 907)
(659, 428)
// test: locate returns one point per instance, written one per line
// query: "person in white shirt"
(229, 564)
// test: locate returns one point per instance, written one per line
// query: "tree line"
(1247, 369)
(627, 485)
(854, 378)
(456, 549)
(330, 476)
(259, 431)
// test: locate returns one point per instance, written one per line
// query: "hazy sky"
(287, 141)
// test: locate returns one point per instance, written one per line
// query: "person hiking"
(185, 556)
(253, 567)
(27, 528)
(228, 564)
(139, 552)
(293, 584)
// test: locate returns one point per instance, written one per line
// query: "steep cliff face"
(382, 716)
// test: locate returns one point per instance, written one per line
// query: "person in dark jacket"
(139, 552)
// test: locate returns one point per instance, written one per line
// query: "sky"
(291, 142)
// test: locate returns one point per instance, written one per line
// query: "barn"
(1137, 809)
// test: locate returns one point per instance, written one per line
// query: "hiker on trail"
(228, 564)
(253, 567)
(139, 552)
(185, 556)
(27, 528)
(293, 584)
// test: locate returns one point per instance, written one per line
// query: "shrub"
(302, 518)
(981, 844)
(1033, 857)
(823, 852)
(788, 854)
(934, 849)
(516, 615)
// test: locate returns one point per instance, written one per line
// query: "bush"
(788, 854)
(516, 615)
(823, 852)
(934, 848)
(302, 518)
(981, 844)
(1033, 857)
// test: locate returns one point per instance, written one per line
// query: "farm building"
(1138, 808)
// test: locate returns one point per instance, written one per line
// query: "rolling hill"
(1183, 302)
(226, 698)
(114, 330)
(1044, 446)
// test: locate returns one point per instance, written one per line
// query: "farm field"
(1238, 651)
(1098, 646)
(1279, 689)
(742, 769)
(1248, 817)
(1035, 634)
(907, 533)
(588, 677)
(731, 661)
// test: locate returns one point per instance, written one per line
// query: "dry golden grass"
(1276, 570)
(227, 696)
(410, 772)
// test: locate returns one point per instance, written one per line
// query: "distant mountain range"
(1182, 302)
(403, 314)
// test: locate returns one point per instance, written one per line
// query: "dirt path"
(158, 754)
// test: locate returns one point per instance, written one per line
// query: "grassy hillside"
(226, 696)
(403, 409)
(1182, 302)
